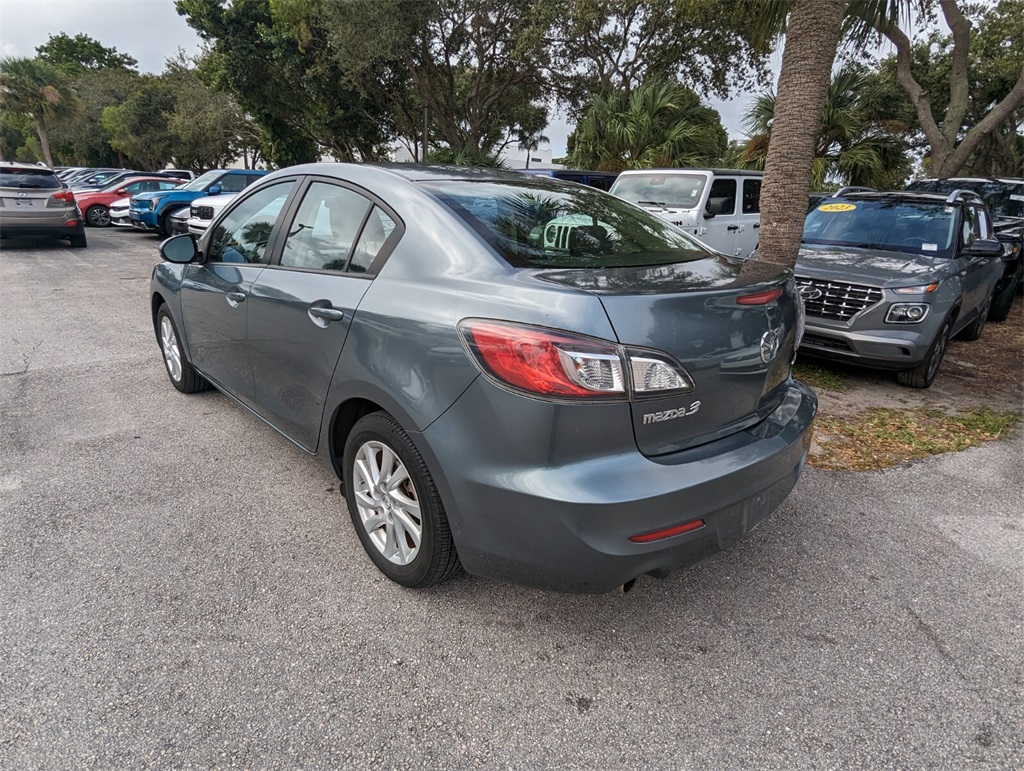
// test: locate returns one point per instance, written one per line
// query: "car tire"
(78, 242)
(98, 216)
(923, 375)
(1003, 301)
(973, 330)
(179, 369)
(395, 506)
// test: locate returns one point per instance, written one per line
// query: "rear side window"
(548, 224)
(325, 228)
(233, 183)
(751, 196)
(29, 179)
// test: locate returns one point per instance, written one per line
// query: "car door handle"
(733, 227)
(326, 314)
(235, 298)
(757, 225)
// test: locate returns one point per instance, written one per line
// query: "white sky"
(152, 32)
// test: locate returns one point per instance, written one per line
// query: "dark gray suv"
(888, 278)
(528, 377)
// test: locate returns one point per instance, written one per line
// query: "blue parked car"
(152, 211)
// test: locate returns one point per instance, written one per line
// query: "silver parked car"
(529, 378)
(34, 202)
(888, 278)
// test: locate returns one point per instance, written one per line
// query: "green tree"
(943, 110)
(36, 89)
(658, 124)
(607, 46)
(74, 55)
(478, 66)
(140, 127)
(82, 140)
(853, 145)
(530, 141)
(207, 125)
(274, 59)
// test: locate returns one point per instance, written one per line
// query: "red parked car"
(95, 205)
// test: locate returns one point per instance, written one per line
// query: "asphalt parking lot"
(181, 587)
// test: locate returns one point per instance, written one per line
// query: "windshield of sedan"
(915, 227)
(199, 184)
(550, 224)
(675, 191)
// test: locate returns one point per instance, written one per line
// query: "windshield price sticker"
(836, 207)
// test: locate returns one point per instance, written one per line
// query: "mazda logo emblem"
(769, 345)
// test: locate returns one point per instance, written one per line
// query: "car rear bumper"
(566, 526)
(42, 229)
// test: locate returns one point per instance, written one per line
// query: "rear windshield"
(676, 191)
(550, 224)
(915, 227)
(29, 179)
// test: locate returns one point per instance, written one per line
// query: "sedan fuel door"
(214, 293)
(302, 306)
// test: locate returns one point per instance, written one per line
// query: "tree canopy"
(81, 52)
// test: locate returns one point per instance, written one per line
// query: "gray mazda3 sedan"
(524, 377)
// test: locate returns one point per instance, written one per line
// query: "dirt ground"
(988, 372)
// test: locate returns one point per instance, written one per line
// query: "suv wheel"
(923, 375)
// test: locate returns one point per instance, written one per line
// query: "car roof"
(687, 169)
(26, 166)
(902, 195)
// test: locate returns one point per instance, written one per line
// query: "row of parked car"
(887, 278)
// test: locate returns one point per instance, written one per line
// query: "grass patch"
(883, 437)
(819, 378)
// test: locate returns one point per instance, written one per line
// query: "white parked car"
(721, 207)
(119, 212)
(203, 211)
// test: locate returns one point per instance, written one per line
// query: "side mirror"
(180, 249)
(714, 207)
(984, 247)
(215, 190)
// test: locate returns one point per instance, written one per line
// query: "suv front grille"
(203, 212)
(836, 299)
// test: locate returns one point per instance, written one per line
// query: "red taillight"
(64, 195)
(761, 298)
(546, 362)
(71, 224)
(667, 532)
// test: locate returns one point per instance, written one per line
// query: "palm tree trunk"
(812, 37)
(44, 142)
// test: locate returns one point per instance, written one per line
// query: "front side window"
(970, 226)
(243, 234)
(724, 191)
(548, 224)
(233, 183)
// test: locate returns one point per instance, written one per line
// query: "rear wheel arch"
(345, 417)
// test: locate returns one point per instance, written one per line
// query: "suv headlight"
(916, 289)
(906, 313)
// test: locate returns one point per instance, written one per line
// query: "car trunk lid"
(691, 312)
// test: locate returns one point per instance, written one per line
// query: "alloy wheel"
(387, 501)
(170, 348)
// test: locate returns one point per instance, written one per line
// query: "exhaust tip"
(627, 587)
